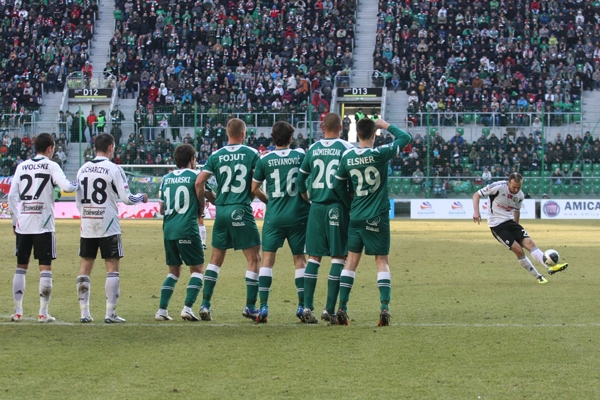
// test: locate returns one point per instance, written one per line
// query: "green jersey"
(320, 163)
(232, 168)
(178, 194)
(367, 169)
(280, 169)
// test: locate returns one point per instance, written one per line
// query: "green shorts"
(189, 250)
(235, 228)
(327, 230)
(373, 235)
(274, 236)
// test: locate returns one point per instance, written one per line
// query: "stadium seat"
(417, 188)
(587, 167)
(464, 160)
(397, 188)
(596, 169)
(596, 181)
(536, 181)
(526, 173)
(406, 188)
(587, 174)
(460, 131)
(566, 189)
(566, 166)
(432, 131)
(397, 173)
(596, 189)
(535, 189)
(587, 189)
(467, 119)
(535, 173)
(546, 174)
(556, 189)
(576, 189)
(554, 166)
(486, 132)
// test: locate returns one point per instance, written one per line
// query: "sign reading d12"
(90, 94)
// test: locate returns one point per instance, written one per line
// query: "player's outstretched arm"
(476, 215)
(13, 198)
(401, 137)
(120, 181)
(60, 179)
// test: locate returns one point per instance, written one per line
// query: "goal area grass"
(468, 322)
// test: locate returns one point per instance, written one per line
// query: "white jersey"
(503, 203)
(101, 184)
(33, 186)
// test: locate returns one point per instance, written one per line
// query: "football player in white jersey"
(33, 186)
(101, 184)
(505, 199)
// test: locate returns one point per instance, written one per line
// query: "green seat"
(566, 189)
(396, 188)
(467, 119)
(596, 181)
(546, 174)
(565, 165)
(556, 189)
(460, 131)
(535, 173)
(587, 189)
(596, 167)
(417, 188)
(535, 189)
(576, 189)
(477, 187)
(554, 166)
(249, 119)
(486, 131)
(406, 188)
(536, 181)
(596, 189)
(432, 131)
(587, 174)
(587, 167)
(526, 173)
(397, 173)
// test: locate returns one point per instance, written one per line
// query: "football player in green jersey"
(235, 227)
(287, 213)
(367, 168)
(327, 225)
(179, 205)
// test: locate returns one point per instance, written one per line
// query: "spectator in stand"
(92, 119)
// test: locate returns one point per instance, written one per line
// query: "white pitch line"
(33, 321)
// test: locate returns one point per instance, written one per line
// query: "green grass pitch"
(467, 323)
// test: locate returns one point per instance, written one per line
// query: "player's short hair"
(103, 142)
(515, 176)
(332, 123)
(184, 154)
(42, 142)
(365, 128)
(282, 133)
(236, 128)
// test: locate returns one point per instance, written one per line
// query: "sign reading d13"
(90, 94)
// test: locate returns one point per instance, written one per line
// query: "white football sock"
(113, 291)
(83, 291)
(19, 289)
(537, 255)
(45, 291)
(526, 263)
(202, 230)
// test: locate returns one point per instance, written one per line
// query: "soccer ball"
(552, 257)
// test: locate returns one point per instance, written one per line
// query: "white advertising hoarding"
(459, 208)
(570, 209)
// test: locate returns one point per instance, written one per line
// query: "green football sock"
(333, 284)
(265, 278)
(310, 283)
(210, 280)
(194, 286)
(166, 291)
(299, 281)
(346, 282)
(384, 282)
(251, 289)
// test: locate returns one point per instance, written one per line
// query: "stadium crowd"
(508, 60)
(225, 56)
